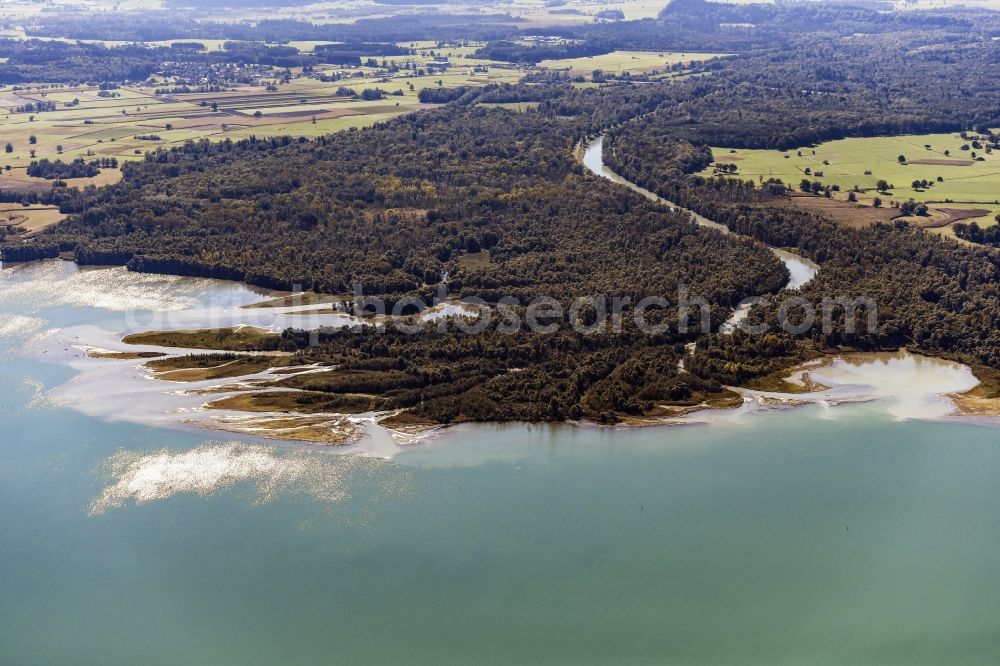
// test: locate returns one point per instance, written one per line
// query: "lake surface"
(814, 535)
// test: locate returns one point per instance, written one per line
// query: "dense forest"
(78, 168)
(51, 61)
(394, 207)
(511, 51)
(491, 203)
(447, 376)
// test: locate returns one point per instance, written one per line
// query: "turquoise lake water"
(805, 536)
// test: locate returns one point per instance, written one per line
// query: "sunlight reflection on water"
(114, 289)
(268, 472)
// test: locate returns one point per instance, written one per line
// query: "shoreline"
(955, 397)
(144, 382)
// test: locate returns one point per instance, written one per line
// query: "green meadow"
(849, 163)
(618, 62)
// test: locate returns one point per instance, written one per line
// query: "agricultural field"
(618, 62)
(125, 128)
(539, 12)
(520, 107)
(29, 218)
(124, 124)
(969, 179)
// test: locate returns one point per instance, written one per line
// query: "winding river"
(800, 269)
